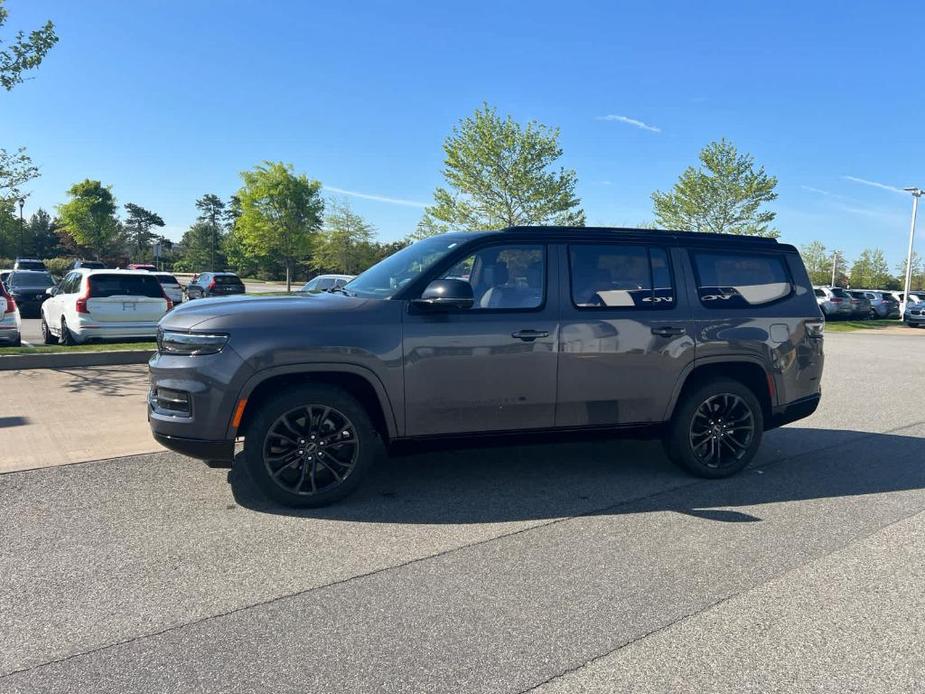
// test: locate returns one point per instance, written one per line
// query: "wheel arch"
(747, 370)
(360, 382)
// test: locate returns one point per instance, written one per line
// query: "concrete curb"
(58, 360)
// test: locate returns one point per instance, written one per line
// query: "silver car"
(882, 304)
(835, 302)
(171, 287)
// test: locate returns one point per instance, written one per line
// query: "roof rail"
(698, 235)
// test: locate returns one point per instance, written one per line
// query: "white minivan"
(103, 304)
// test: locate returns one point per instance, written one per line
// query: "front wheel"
(310, 446)
(716, 429)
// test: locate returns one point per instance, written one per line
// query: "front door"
(491, 367)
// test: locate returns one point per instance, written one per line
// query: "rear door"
(625, 333)
(125, 298)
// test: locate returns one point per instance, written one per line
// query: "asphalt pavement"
(573, 566)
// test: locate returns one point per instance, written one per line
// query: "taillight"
(10, 304)
(211, 284)
(815, 329)
(835, 300)
(81, 305)
(167, 299)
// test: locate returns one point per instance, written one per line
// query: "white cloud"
(873, 184)
(377, 198)
(630, 121)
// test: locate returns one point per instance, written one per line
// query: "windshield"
(38, 280)
(385, 278)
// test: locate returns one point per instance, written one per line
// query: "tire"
(66, 337)
(47, 337)
(695, 453)
(287, 468)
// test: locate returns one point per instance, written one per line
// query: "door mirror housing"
(446, 293)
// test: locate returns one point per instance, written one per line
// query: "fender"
(718, 359)
(321, 367)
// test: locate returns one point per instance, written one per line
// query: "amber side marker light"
(238, 413)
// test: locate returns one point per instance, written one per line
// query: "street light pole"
(22, 201)
(916, 194)
(834, 266)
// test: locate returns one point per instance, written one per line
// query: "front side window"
(504, 277)
(617, 276)
(740, 280)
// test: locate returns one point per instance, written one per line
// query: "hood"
(243, 311)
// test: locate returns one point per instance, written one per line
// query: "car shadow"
(551, 480)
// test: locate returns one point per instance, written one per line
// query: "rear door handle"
(529, 335)
(667, 331)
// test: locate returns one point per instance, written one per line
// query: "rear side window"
(615, 276)
(819, 292)
(167, 279)
(839, 292)
(102, 286)
(740, 280)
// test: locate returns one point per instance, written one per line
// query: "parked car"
(860, 305)
(10, 324)
(834, 302)
(4, 274)
(882, 304)
(208, 284)
(555, 328)
(324, 283)
(103, 304)
(914, 297)
(81, 264)
(28, 287)
(914, 316)
(142, 266)
(171, 287)
(28, 264)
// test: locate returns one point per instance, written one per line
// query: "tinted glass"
(839, 292)
(33, 280)
(125, 285)
(326, 283)
(92, 265)
(504, 277)
(739, 280)
(30, 265)
(615, 276)
(71, 283)
(227, 279)
(819, 292)
(386, 277)
(167, 279)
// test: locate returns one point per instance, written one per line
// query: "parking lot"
(564, 566)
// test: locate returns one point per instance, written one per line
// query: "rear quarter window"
(102, 286)
(740, 280)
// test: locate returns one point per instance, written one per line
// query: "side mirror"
(446, 294)
(52, 291)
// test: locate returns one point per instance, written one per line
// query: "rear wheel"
(66, 337)
(310, 446)
(716, 429)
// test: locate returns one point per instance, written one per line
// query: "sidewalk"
(57, 416)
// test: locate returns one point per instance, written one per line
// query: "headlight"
(190, 344)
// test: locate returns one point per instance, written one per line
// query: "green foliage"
(870, 270)
(89, 217)
(918, 275)
(25, 52)
(16, 169)
(818, 262)
(212, 212)
(195, 250)
(498, 175)
(723, 196)
(280, 214)
(346, 242)
(138, 232)
(58, 266)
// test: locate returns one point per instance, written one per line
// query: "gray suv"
(705, 340)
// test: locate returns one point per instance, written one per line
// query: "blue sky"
(167, 100)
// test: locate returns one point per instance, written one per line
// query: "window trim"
(467, 250)
(780, 257)
(629, 309)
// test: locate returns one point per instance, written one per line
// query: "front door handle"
(529, 335)
(667, 331)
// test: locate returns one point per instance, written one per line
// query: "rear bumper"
(791, 412)
(89, 330)
(197, 448)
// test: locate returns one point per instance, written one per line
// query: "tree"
(818, 262)
(195, 249)
(40, 231)
(25, 52)
(918, 276)
(870, 270)
(280, 213)
(723, 195)
(346, 242)
(89, 217)
(499, 174)
(212, 212)
(16, 169)
(138, 227)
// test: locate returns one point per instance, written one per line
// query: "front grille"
(171, 402)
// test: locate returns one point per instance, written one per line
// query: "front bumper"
(196, 448)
